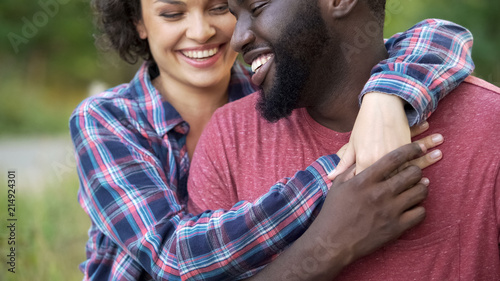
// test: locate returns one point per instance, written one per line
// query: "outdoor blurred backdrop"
(49, 64)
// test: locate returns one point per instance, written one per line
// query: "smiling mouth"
(260, 61)
(201, 55)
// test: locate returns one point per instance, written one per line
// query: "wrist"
(388, 108)
(379, 98)
(324, 251)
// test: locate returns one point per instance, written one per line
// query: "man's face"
(283, 40)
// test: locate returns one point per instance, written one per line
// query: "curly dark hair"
(115, 20)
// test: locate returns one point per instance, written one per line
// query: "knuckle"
(420, 213)
(399, 155)
(421, 192)
(415, 171)
(378, 194)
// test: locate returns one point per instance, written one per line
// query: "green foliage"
(49, 61)
(481, 17)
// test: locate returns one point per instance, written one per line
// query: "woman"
(133, 142)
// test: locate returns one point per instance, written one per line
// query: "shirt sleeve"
(425, 63)
(127, 196)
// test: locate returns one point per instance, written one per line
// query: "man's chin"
(271, 108)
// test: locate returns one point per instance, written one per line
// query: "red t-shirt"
(240, 156)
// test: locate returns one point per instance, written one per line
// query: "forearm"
(425, 64)
(311, 257)
(265, 227)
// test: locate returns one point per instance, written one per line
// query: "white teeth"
(200, 54)
(260, 61)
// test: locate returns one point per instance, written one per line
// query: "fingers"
(412, 217)
(383, 168)
(431, 141)
(347, 175)
(414, 195)
(427, 160)
(343, 150)
(347, 159)
(432, 157)
(413, 214)
(404, 180)
(419, 128)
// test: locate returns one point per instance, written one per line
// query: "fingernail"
(437, 138)
(424, 125)
(425, 181)
(436, 154)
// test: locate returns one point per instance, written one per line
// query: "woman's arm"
(425, 64)
(131, 201)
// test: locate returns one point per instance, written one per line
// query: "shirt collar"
(162, 116)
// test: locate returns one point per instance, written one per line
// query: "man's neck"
(336, 105)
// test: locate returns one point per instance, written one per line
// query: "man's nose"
(242, 35)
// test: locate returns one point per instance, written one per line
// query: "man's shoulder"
(471, 111)
(474, 96)
(481, 85)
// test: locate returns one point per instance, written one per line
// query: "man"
(290, 43)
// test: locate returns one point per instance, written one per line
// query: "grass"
(51, 232)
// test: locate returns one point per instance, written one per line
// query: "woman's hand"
(381, 127)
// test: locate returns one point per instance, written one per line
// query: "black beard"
(300, 47)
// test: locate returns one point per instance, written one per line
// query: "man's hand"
(376, 206)
(361, 213)
(381, 127)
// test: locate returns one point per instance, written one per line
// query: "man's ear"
(141, 29)
(340, 8)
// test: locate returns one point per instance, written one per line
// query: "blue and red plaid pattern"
(133, 168)
(433, 57)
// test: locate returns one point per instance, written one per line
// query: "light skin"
(196, 85)
(173, 26)
(177, 32)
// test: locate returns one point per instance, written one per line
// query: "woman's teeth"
(260, 61)
(200, 54)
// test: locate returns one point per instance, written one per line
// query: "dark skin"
(381, 202)
(370, 211)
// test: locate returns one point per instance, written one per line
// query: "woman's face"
(189, 39)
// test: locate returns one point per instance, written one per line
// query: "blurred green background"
(50, 63)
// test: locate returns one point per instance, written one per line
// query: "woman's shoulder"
(118, 97)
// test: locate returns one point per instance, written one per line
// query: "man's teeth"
(200, 54)
(260, 61)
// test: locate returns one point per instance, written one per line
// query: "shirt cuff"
(406, 87)
(321, 168)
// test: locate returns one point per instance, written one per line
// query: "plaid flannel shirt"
(133, 167)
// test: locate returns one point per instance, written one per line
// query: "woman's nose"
(200, 29)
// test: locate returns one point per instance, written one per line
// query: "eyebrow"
(173, 2)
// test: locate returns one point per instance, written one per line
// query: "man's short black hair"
(378, 9)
